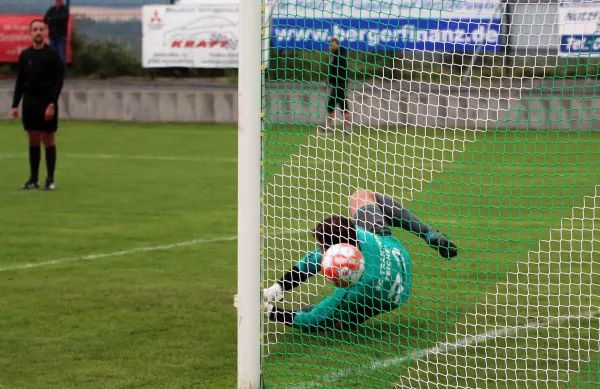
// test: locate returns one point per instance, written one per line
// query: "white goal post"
(249, 192)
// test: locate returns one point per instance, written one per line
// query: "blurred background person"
(57, 19)
(337, 84)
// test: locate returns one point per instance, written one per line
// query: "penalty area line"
(133, 157)
(95, 257)
(443, 348)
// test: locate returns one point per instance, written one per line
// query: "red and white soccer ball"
(343, 264)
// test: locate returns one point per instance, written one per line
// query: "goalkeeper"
(386, 281)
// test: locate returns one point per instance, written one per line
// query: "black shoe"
(29, 185)
(49, 185)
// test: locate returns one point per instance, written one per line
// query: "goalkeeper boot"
(30, 184)
(442, 244)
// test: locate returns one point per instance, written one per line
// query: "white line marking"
(134, 157)
(94, 257)
(427, 166)
(295, 160)
(442, 348)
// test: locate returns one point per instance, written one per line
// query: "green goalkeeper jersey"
(384, 285)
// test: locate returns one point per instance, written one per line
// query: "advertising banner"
(579, 28)
(191, 36)
(432, 25)
(14, 36)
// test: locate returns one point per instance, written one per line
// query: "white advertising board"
(191, 36)
(579, 28)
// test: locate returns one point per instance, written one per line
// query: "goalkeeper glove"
(270, 295)
(442, 244)
(273, 294)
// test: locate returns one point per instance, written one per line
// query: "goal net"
(480, 117)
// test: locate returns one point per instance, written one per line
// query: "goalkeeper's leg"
(398, 216)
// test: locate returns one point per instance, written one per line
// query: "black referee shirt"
(41, 75)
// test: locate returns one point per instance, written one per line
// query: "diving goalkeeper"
(386, 281)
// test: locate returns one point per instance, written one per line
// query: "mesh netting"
(479, 118)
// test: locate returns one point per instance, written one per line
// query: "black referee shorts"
(34, 115)
(337, 96)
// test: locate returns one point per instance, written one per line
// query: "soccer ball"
(343, 264)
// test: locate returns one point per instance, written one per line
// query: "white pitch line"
(424, 165)
(134, 157)
(441, 348)
(94, 257)
(295, 160)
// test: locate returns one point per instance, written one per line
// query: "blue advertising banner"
(386, 34)
(579, 28)
(447, 26)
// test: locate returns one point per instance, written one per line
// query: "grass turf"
(159, 319)
(163, 318)
(498, 194)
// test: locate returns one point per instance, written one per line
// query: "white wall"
(534, 26)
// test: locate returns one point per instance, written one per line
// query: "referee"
(39, 83)
(338, 76)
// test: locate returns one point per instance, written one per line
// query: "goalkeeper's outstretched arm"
(325, 315)
(300, 272)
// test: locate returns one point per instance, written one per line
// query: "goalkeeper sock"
(397, 216)
(280, 315)
(292, 279)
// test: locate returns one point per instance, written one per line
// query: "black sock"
(281, 315)
(50, 162)
(35, 153)
(292, 279)
(401, 217)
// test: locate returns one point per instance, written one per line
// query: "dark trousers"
(337, 97)
(60, 45)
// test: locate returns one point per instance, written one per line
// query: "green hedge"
(106, 59)
(102, 59)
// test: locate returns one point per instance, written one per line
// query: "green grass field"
(124, 277)
(498, 194)
(150, 319)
